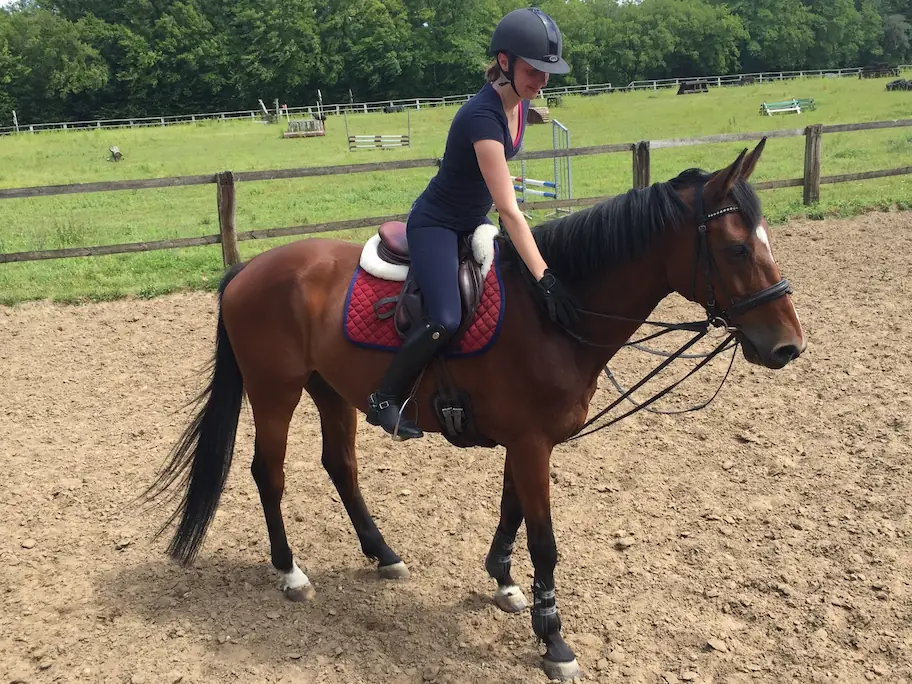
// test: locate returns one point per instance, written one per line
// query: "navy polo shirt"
(458, 197)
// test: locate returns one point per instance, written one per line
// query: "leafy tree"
(582, 24)
(91, 58)
(780, 34)
(843, 34)
(672, 38)
(274, 48)
(10, 70)
(897, 38)
(450, 42)
(365, 46)
(51, 64)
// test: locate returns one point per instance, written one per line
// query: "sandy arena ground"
(775, 525)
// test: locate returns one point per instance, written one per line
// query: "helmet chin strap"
(508, 75)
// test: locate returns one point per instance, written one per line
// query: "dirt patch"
(774, 525)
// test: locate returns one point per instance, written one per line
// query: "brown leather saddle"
(451, 405)
(409, 307)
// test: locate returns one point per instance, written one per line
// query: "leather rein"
(715, 317)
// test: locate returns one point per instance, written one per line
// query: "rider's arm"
(493, 165)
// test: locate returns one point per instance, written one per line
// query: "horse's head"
(725, 263)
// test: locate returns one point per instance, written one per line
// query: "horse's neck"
(630, 291)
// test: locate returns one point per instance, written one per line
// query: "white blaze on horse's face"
(764, 238)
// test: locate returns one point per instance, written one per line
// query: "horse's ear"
(751, 162)
(722, 181)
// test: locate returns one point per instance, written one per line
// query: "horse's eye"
(739, 251)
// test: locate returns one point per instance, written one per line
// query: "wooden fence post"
(813, 135)
(641, 164)
(226, 211)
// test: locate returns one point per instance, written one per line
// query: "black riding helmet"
(532, 35)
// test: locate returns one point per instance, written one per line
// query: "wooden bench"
(793, 106)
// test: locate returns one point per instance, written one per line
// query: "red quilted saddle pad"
(364, 329)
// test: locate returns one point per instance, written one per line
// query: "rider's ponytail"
(493, 72)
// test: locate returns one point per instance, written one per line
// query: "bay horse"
(280, 332)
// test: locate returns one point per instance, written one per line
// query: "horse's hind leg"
(509, 596)
(338, 420)
(272, 412)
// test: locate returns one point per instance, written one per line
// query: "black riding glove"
(560, 304)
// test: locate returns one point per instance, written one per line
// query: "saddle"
(452, 406)
(409, 305)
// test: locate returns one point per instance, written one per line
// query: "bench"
(793, 106)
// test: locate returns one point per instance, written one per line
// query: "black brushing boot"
(412, 356)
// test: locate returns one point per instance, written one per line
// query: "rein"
(714, 318)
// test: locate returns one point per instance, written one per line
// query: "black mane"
(622, 228)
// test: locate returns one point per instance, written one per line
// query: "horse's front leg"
(508, 597)
(529, 468)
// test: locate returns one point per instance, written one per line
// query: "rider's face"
(527, 79)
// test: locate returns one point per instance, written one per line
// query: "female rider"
(485, 133)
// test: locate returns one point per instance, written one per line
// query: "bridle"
(722, 319)
(715, 318)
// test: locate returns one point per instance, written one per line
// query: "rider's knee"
(448, 323)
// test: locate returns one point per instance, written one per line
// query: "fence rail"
(424, 102)
(226, 199)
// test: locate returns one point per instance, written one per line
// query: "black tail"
(206, 447)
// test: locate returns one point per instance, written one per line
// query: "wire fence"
(417, 103)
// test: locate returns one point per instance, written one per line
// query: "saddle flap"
(471, 285)
(409, 307)
(393, 237)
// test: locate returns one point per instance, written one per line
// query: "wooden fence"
(226, 202)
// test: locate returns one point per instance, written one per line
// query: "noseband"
(720, 318)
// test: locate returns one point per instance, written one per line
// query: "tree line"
(83, 59)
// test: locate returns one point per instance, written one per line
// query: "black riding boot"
(412, 356)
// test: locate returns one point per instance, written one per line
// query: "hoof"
(301, 594)
(394, 571)
(562, 671)
(510, 599)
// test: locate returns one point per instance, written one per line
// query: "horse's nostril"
(786, 353)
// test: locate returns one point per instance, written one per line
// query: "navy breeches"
(435, 263)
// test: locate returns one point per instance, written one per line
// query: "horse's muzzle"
(772, 353)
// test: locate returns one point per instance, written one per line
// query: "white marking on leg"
(394, 571)
(510, 599)
(295, 579)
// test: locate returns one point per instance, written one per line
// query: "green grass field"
(133, 216)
